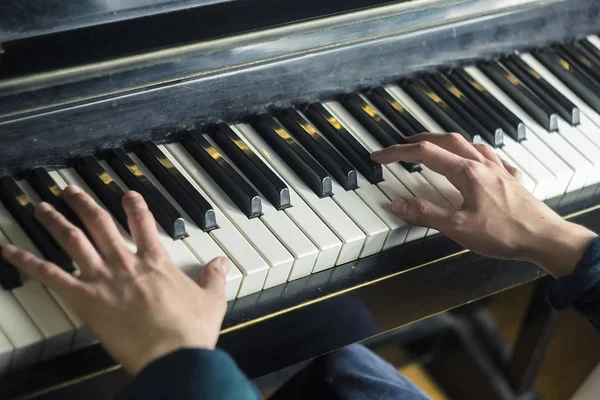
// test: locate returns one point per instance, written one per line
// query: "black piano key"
(571, 76)
(232, 183)
(538, 85)
(345, 142)
(192, 202)
(303, 165)
(583, 59)
(10, 278)
(592, 51)
(479, 95)
(314, 142)
(165, 214)
(50, 192)
(438, 109)
(103, 184)
(22, 209)
(381, 130)
(396, 112)
(472, 114)
(513, 87)
(267, 182)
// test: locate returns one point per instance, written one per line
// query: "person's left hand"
(140, 306)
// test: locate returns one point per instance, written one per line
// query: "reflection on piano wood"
(285, 187)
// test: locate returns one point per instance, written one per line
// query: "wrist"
(558, 247)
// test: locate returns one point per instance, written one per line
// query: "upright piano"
(248, 126)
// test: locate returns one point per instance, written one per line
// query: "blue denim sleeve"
(581, 289)
(189, 374)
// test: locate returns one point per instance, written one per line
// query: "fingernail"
(72, 189)
(399, 206)
(44, 207)
(132, 194)
(224, 264)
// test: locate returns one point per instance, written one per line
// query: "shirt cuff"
(191, 374)
(565, 292)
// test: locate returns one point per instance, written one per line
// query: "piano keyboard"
(294, 192)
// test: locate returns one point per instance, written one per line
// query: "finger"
(423, 213)
(214, 276)
(488, 153)
(45, 272)
(142, 224)
(71, 238)
(99, 224)
(453, 142)
(432, 156)
(511, 170)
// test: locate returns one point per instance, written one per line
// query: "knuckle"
(418, 210)
(73, 235)
(472, 169)
(456, 138)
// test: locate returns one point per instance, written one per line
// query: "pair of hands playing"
(141, 306)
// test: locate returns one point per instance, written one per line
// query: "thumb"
(214, 276)
(421, 212)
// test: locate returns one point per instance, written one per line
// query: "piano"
(248, 126)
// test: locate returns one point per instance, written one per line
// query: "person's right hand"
(498, 218)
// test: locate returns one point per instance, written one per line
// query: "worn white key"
(252, 265)
(365, 218)
(18, 327)
(83, 336)
(254, 230)
(346, 230)
(199, 242)
(41, 307)
(541, 149)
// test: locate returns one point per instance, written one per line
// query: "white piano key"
(41, 307)
(595, 40)
(551, 151)
(305, 253)
(365, 218)
(199, 242)
(20, 330)
(327, 243)
(391, 186)
(584, 109)
(252, 265)
(254, 230)
(6, 353)
(328, 211)
(542, 179)
(584, 146)
(83, 336)
(182, 257)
